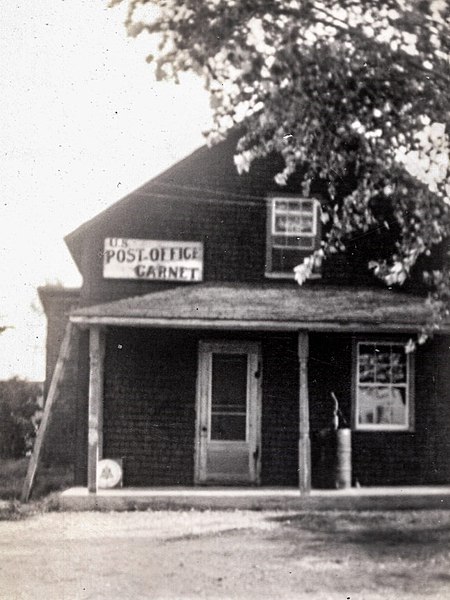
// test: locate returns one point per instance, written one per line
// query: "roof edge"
(57, 293)
(253, 325)
(72, 237)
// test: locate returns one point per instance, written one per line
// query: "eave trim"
(248, 325)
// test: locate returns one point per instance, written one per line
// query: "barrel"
(343, 475)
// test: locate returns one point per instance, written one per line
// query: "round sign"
(109, 473)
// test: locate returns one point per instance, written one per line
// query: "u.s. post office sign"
(125, 258)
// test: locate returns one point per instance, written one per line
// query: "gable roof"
(209, 171)
(74, 239)
(264, 306)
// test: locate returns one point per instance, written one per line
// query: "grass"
(48, 478)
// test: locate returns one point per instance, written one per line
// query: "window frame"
(408, 386)
(271, 233)
(275, 212)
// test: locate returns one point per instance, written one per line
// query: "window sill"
(384, 429)
(290, 276)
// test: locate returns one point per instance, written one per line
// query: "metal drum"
(343, 477)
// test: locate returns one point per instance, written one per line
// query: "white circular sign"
(109, 473)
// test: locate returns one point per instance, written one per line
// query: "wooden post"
(95, 434)
(53, 392)
(304, 443)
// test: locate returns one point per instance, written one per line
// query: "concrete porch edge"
(373, 498)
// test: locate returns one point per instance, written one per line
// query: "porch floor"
(219, 498)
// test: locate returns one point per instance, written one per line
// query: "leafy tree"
(18, 407)
(348, 88)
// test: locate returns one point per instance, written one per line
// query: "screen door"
(228, 413)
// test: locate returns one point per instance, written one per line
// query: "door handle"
(204, 429)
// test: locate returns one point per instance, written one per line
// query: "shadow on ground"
(413, 535)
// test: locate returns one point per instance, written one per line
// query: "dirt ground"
(227, 555)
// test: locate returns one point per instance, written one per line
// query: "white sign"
(124, 258)
(109, 474)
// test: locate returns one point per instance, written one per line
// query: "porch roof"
(281, 307)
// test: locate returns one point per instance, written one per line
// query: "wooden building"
(201, 361)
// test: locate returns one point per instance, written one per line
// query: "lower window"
(383, 394)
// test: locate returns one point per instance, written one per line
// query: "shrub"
(19, 406)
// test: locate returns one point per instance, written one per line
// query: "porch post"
(304, 443)
(95, 431)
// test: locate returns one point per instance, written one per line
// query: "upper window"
(383, 397)
(293, 230)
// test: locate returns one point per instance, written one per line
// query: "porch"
(162, 421)
(218, 498)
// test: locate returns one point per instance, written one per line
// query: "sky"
(83, 122)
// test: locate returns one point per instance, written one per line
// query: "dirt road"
(227, 555)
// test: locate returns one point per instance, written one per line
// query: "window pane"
(294, 205)
(281, 205)
(286, 223)
(307, 223)
(382, 405)
(281, 223)
(293, 223)
(294, 241)
(366, 363)
(228, 427)
(306, 243)
(398, 366)
(229, 383)
(285, 259)
(383, 362)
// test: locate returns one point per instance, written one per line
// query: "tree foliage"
(338, 88)
(18, 407)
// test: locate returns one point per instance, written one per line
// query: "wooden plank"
(200, 419)
(52, 395)
(304, 443)
(95, 433)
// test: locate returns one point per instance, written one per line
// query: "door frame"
(254, 393)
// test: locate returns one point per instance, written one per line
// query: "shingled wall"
(390, 457)
(149, 405)
(149, 417)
